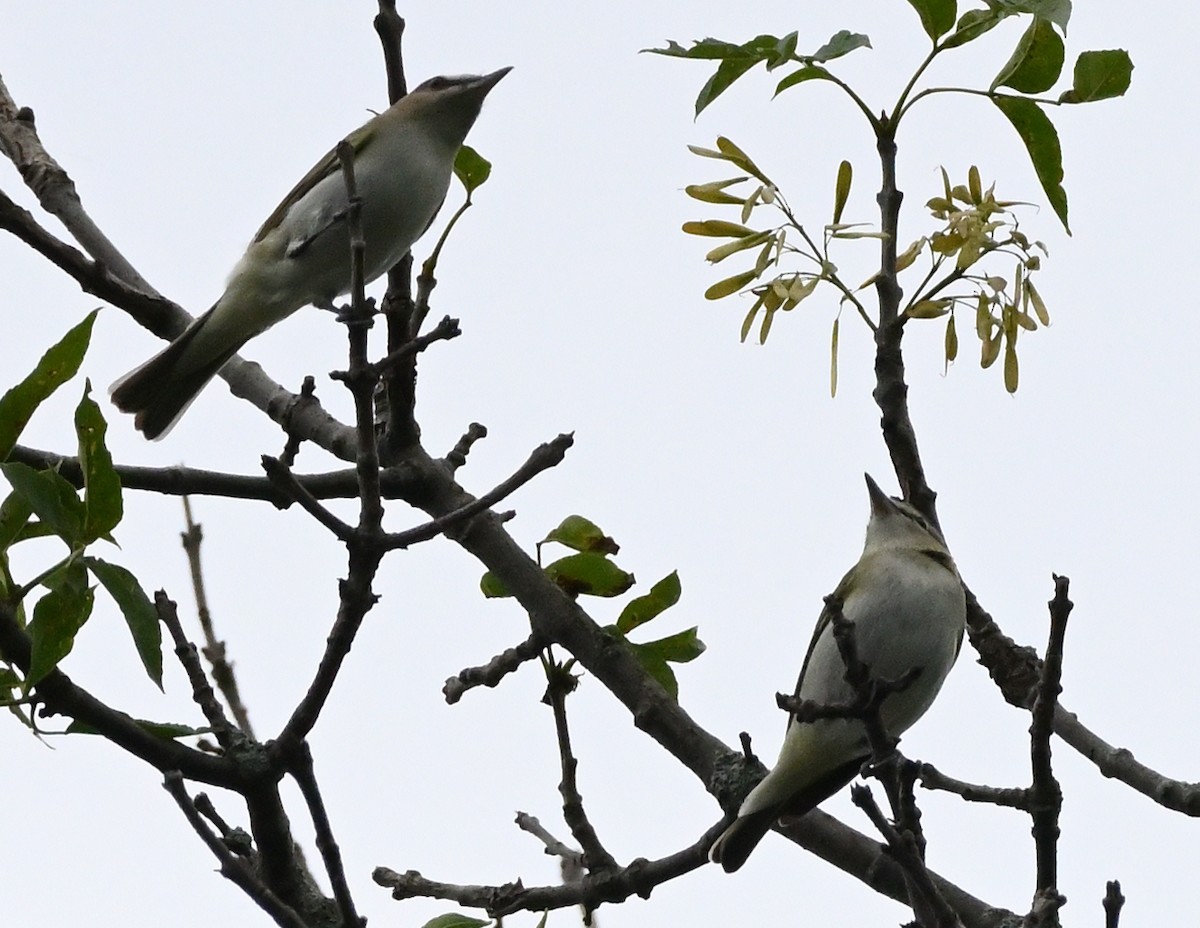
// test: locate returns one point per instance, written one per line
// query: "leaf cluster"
(591, 571)
(44, 504)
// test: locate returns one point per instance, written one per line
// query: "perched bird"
(907, 603)
(403, 160)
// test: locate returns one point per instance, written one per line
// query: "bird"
(908, 606)
(403, 161)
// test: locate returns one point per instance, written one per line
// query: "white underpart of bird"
(403, 162)
(908, 607)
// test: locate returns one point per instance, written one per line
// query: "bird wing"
(319, 171)
(822, 623)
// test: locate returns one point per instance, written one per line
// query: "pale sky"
(582, 309)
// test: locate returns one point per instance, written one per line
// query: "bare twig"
(905, 852)
(639, 878)
(554, 847)
(283, 479)
(457, 455)
(560, 683)
(232, 868)
(1045, 792)
(542, 458)
(1011, 797)
(491, 673)
(301, 768)
(214, 648)
(395, 483)
(1113, 901)
(202, 693)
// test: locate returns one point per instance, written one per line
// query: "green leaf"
(841, 43)
(1036, 62)
(1057, 11)
(55, 501)
(102, 486)
(1011, 368)
(721, 252)
(1100, 75)
(717, 228)
(455, 920)
(658, 668)
(723, 288)
(492, 587)
(841, 191)
(833, 357)
(727, 72)
(708, 49)
(662, 596)
(714, 191)
(972, 24)
(937, 16)
(14, 517)
(57, 618)
(580, 534)
(810, 72)
(589, 574)
(140, 615)
(951, 342)
(471, 168)
(736, 156)
(165, 731)
(1041, 141)
(57, 366)
(679, 648)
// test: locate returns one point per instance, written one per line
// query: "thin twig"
(904, 851)
(561, 682)
(495, 670)
(301, 769)
(282, 478)
(1010, 797)
(214, 648)
(1045, 792)
(457, 455)
(232, 868)
(554, 847)
(542, 458)
(202, 692)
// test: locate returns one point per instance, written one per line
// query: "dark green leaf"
(806, 73)
(937, 16)
(1100, 75)
(662, 596)
(707, 49)
(57, 366)
(653, 663)
(723, 288)
(14, 517)
(102, 486)
(581, 534)
(1041, 141)
(1036, 62)
(455, 920)
(1057, 11)
(140, 614)
(166, 731)
(57, 617)
(55, 501)
(678, 648)
(492, 586)
(589, 574)
(842, 43)
(471, 168)
(727, 72)
(972, 24)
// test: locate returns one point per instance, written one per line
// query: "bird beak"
(488, 81)
(880, 502)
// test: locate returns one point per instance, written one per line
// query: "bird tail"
(737, 841)
(160, 391)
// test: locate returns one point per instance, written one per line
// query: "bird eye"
(439, 83)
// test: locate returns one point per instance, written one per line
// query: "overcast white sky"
(582, 308)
